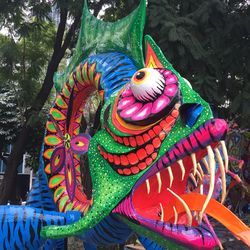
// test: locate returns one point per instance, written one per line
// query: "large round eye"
(147, 84)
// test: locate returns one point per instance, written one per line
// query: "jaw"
(160, 199)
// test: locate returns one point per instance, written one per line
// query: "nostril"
(190, 113)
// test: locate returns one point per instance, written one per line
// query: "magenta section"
(126, 101)
(133, 110)
(160, 103)
(143, 113)
(127, 92)
(171, 79)
(170, 90)
(128, 112)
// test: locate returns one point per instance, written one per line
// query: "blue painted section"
(20, 226)
(116, 68)
(40, 195)
(149, 244)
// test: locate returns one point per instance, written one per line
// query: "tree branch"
(70, 33)
(61, 28)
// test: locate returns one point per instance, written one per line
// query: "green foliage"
(25, 51)
(208, 42)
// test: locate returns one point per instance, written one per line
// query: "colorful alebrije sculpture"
(154, 163)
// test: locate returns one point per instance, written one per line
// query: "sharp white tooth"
(175, 215)
(224, 150)
(171, 177)
(201, 188)
(193, 178)
(180, 162)
(223, 175)
(188, 212)
(211, 163)
(200, 170)
(148, 186)
(206, 165)
(158, 175)
(199, 175)
(162, 212)
(194, 162)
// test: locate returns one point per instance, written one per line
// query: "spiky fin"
(97, 36)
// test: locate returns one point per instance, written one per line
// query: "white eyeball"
(147, 84)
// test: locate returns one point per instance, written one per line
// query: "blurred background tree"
(206, 41)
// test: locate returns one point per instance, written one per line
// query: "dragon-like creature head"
(159, 160)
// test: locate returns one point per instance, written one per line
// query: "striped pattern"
(118, 73)
(20, 227)
(93, 73)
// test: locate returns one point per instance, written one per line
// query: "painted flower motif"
(62, 157)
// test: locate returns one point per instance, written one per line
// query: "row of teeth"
(197, 176)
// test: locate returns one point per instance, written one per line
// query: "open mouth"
(175, 195)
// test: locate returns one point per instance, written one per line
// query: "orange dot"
(157, 129)
(132, 158)
(154, 156)
(139, 140)
(126, 141)
(162, 136)
(120, 171)
(141, 153)
(156, 142)
(127, 171)
(135, 170)
(150, 149)
(142, 165)
(149, 161)
(124, 160)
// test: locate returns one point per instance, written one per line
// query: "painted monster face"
(150, 107)
(153, 161)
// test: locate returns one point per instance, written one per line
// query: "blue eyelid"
(190, 113)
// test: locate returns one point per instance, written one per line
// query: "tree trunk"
(7, 188)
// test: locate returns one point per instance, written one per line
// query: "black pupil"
(140, 75)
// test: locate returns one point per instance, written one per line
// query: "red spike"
(127, 171)
(124, 160)
(117, 160)
(157, 129)
(154, 156)
(132, 141)
(139, 140)
(146, 137)
(135, 170)
(141, 154)
(149, 161)
(162, 136)
(133, 159)
(156, 142)
(119, 139)
(110, 158)
(151, 133)
(150, 149)
(126, 141)
(142, 165)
